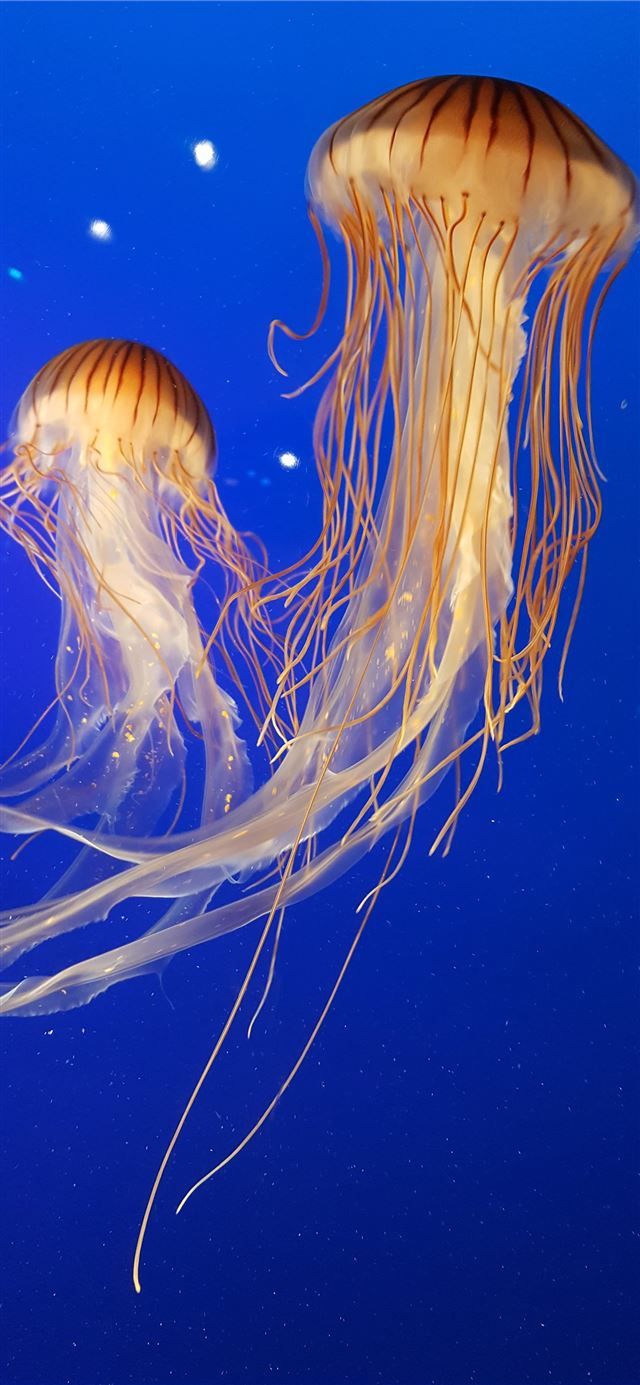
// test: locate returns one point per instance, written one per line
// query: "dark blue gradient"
(447, 1195)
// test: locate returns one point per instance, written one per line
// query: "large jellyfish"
(110, 493)
(420, 621)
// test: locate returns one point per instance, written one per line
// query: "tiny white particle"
(100, 230)
(205, 153)
(288, 460)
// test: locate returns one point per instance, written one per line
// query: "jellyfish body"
(434, 589)
(111, 494)
(421, 618)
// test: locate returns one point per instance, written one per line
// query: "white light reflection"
(288, 460)
(100, 230)
(205, 153)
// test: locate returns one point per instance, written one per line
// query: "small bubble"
(100, 230)
(205, 154)
(288, 460)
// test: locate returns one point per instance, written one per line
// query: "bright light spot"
(100, 230)
(288, 460)
(205, 153)
(14, 273)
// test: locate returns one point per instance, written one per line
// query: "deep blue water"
(448, 1192)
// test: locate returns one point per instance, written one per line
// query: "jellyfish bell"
(111, 494)
(512, 153)
(121, 403)
(420, 620)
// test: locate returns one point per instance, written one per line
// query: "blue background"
(448, 1192)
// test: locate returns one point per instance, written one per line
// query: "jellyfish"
(460, 489)
(110, 493)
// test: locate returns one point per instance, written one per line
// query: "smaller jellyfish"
(111, 495)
